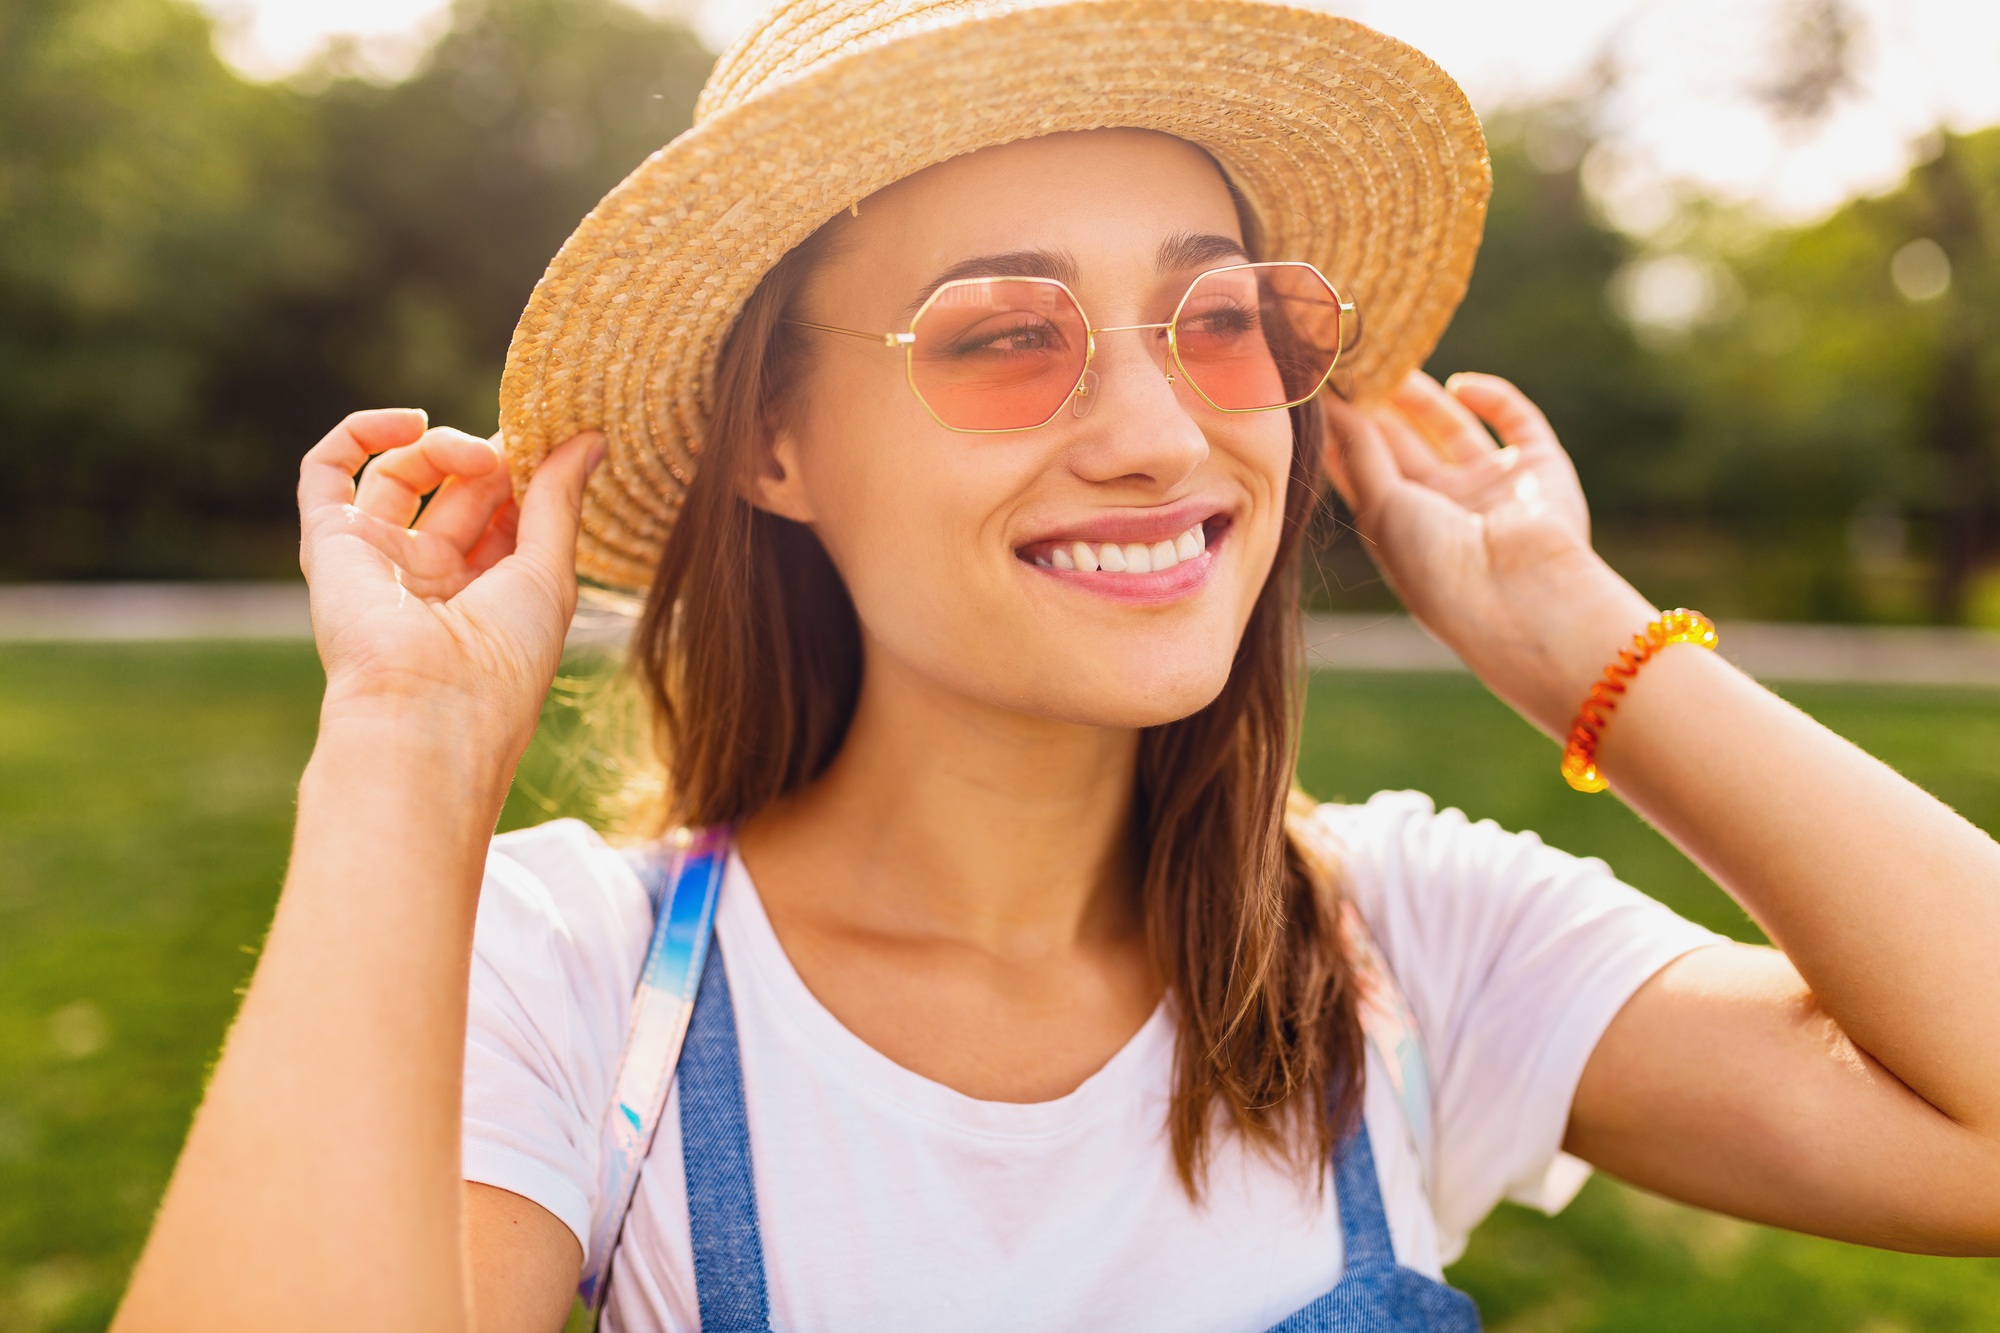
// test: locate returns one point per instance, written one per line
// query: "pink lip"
(1168, 585)
(1131, 525)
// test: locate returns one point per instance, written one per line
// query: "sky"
(1685, 115)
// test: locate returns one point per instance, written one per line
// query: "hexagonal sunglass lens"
(998, 353)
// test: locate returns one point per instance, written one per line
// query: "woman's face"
(946, 541)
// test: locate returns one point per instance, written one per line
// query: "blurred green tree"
(198, 274)
(1845, 419)
(454, 188)
(1537, 312)
(150, 204)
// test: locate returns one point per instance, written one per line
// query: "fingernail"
(594, 457)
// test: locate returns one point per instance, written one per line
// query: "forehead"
(1094, 194)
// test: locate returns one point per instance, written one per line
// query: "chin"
(1121, 700)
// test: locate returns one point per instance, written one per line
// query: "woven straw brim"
(1353, 150)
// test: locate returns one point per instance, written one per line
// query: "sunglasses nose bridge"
(1112, 373)
(1131, 328)
(1166, 361)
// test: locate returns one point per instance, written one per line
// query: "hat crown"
(795, 37)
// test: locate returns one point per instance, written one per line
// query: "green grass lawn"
(145, 804)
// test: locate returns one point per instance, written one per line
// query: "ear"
(775, 482)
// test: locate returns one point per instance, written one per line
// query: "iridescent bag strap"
(683, 877)
(1391, 1028)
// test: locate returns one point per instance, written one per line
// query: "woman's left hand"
(1487, 542)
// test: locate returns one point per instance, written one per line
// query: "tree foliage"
(1850, 408)
(151, 204)
(198, 274)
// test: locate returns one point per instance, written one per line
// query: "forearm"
(1886, 901)
(1719, 1081)
(320, 1182)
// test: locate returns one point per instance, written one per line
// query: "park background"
(1777, 367)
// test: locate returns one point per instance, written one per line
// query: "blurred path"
(1346, 642)
(1767, 650)
(68, 611)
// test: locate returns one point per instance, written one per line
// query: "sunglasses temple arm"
(890, 340)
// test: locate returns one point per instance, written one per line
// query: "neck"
(947, 818)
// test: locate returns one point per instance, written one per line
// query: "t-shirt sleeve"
(1514, 958)
(561, 935)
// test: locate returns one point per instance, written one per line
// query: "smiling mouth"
(1130, 558)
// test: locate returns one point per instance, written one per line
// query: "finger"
(1416, 457)
(1512, 414)
(419, 563)
(1441, 419)
(396, 483)
(1364, 457)
(463, 508)
(497, 542)
(553, 505)
(394, 540)
(326, 474)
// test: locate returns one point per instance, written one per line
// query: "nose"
(1139, 424)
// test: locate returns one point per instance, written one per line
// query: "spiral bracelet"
(1579, 762)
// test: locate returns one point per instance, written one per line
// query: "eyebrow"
(1182, 250)
(1057, 264)
(1188, 248)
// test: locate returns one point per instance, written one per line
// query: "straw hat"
(1353, 150)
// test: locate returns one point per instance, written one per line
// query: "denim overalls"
(1374, 1294)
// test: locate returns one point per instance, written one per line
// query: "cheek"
(1263, 455)
(908, 511)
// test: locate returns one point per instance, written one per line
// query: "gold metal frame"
(906, 342)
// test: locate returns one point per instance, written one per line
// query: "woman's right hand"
(320, 1187)
(457, 615)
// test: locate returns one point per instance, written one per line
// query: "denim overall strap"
(1364, 1222)
(1374, 1294)
(721, 1188)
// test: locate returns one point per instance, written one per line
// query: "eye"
(1221, 321)
(1016, 335)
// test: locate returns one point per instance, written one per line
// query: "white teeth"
(1129, 558)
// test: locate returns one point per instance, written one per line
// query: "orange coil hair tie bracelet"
(1681, 625)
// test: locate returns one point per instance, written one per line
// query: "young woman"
(961, 380)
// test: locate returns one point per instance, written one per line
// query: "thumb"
(553, 504)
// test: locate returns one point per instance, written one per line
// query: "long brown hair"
(749, 655)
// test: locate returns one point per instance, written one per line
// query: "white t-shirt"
(889, 1202)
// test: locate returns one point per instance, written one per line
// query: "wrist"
(1588, 641)
(442, 758)
(487, 711)
(1545, 659)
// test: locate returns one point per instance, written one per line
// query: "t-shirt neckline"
(1136, 1074)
